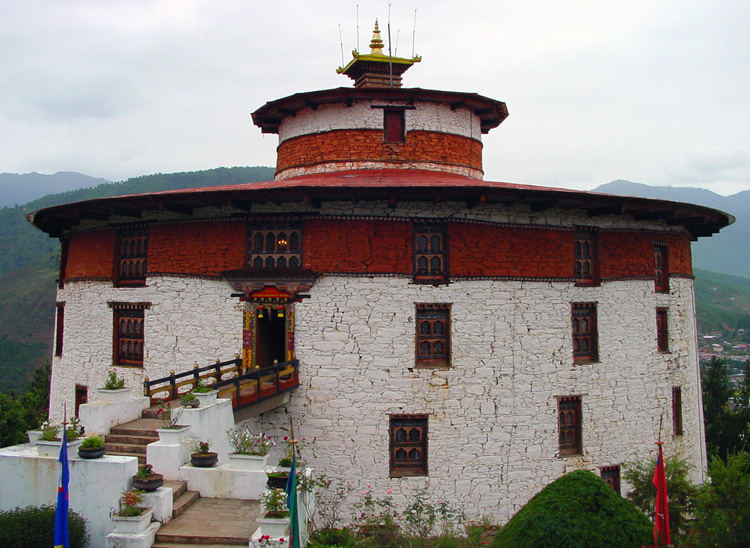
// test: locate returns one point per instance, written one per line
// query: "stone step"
(132, 440)
(125, 449)
(197, 545)
(185, 540)
(183, 501)
(178, 487)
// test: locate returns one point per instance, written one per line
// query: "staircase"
(131, 438)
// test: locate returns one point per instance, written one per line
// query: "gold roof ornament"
(377, 69)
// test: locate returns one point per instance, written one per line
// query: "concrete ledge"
(225, 482)
(142, 540)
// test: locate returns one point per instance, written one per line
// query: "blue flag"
(291, 503)
(61, 514)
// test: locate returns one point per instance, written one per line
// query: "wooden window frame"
(266, 250)
(425, 257)
(133, 336)
(677, 429)
(132, 258)
(403, 447)
(570, 438)
(611, 475)
(433, 315)
(662, 330)
(586, 258)
(394, 125)
(59, 328)
(585, 335)
(661, 267)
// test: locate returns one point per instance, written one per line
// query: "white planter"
(121, 394)
(52, 448)
(247, 462)
(33, 436)
(134, 525)
(274, 528)
(172, 436)
(206, 398)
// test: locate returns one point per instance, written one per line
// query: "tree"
(577, 510)
(19, 414)
(722, 507)
(679, 489)
(725, 411)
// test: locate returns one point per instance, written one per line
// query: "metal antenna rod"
(413, 33)
(341, 41)
(390, 56)
(358, 27)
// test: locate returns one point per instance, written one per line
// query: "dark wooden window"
(128, 332)
(611, 474)
(408, 445)
(60, 330)
(661, 268)
(82, 396)
(677, 410)
(394, 126)
(64, 251)
(662, 330)
(586, 258)
(433, 335)
(569, 420)
(585, 339)
(277, 247)
(430, 254)
(133, 253)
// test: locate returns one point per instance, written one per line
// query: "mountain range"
(20, 188)
(29, 259)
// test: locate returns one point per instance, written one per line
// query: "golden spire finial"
(376, 44)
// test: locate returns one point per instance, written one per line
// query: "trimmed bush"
(579, 510)
(34, 526)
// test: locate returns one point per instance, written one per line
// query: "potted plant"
(250, 450)
(203, 458)
(48, 444)
(290, 448)
(171, 432)
(146, 479)
(131, 518)
(188, 399)
(275, 521)
(114, 388)
(205, 394)
(91, 448)
(277, 480)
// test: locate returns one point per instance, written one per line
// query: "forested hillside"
(29, 261)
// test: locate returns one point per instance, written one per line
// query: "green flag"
(291, 503)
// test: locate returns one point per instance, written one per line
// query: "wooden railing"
(244, 387)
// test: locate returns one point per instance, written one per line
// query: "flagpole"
(62, 539)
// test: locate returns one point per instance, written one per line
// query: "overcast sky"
(655, 91)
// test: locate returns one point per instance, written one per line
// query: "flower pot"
(239, 461)
(206, 398)
(277, 483)
(91, 452)
(148, 483)
(204, 460)
(274, 527)
(134, 525)
(33, 435)
(172, 436)
(121, 394)
(52, 448)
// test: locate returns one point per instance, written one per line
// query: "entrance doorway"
(82, 396)
(270, 336)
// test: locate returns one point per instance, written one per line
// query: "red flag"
(661, 512)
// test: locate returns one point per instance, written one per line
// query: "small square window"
(133, 258)
(278, 247)
(433, 335)
(611, 475)
(408, 445)
(394, 126)
(430, 254)
(128, 333)
(569, 421)
(586, 258)
(585, 336)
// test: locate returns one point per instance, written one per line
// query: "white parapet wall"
(100, 416)
(224, 482)
(95, 485)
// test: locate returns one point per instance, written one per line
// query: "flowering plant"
(202, 387)
(371, 511)
(129, 502)
(290, 448)
(274, 503)
(266, 540)
(51, 432)
(245, 442)
(198, 446)
(114, 382)
(168, 415)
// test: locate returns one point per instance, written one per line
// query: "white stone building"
(477, 338)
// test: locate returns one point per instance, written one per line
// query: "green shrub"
(333, 537)
(579, 510)
(34, 526)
